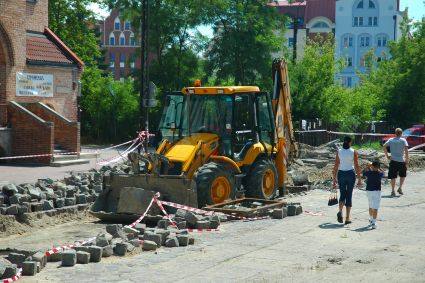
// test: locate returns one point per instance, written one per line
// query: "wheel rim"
(268, 183)
(220, 189)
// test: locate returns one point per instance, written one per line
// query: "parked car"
(414, 136)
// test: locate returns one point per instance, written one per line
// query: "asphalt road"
(304, 248)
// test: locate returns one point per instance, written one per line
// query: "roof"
(285, 3)
(47, 48)
(220, 90)
(308, 9)
(320, 8)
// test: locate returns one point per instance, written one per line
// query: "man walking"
(398, 161)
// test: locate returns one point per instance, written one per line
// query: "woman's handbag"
(333, 199)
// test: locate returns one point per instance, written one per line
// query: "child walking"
(374, 176)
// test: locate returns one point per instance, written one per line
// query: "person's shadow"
(362, 229)
(329, 225)
(389, 196)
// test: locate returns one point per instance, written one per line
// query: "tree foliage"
(400, 81)
(244, 42)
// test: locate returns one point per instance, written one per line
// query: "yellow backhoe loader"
(216, 141)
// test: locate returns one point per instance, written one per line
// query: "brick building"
(121, 45)
(39, 84)
(309, 19)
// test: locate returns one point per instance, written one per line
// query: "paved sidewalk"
(305, 248)
(30, 173)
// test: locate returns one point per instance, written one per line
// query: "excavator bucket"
(126, 197)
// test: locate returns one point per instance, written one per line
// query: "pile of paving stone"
(115, 241)
(48, 196)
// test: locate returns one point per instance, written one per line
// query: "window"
(132, 62)
(360, 21)
(320, 25)
(347, 41)
(117, 24)
(370, 21)
(112, 39)
(112, 60)
(360, 5)
(132, 40)
(122, 39)
(362, 61)
(371, 4)
(291, 42)
(264, 119)
(122, 61)
(349, 82)
(382, 41)
(356, 21)
(127, 25)
(375, 21)
(364, 41)
(349, 61)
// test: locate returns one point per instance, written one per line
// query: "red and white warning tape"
(158, 202)
(185, 207)
(68, 247)
(417, 147)
(14, 278)
(349, 134)
(204, 212)
(144, 214)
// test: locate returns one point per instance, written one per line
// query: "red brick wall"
(66, 133)
(30, 135)
(64, 100)
(129, 51)
(3, 108)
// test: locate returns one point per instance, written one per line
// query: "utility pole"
(144, 76)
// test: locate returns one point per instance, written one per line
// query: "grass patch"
(368, 145)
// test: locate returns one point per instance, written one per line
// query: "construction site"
(223, 181)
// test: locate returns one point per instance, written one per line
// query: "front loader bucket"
(126, 197)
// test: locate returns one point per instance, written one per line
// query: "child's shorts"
(374, 198)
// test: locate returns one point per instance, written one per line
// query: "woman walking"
(346, 161)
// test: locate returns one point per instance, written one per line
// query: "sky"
(416, 11)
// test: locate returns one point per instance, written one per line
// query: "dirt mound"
(31, 222)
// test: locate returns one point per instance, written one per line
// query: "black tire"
(254, 181)
(204, 178)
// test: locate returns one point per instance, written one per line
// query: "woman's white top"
(346, 159)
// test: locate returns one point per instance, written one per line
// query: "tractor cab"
(237, 117)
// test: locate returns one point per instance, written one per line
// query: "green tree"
(244, 42)
(400, 81)
(310, 77)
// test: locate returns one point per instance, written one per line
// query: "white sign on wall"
(34, 85)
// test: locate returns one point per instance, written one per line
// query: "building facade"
(363, 26)
(121, 45)
(309, 20)
(39, 83)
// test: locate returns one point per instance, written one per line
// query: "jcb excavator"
(216, 141)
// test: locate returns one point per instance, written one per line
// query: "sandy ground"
(304, 248)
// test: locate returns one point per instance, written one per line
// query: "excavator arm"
(287, 148)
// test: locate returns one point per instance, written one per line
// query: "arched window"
(132, 39)
(122, 39)
(364, 40)
(371, 4)
(360, 5)
(127, 25)
(112, 39)
(117, 24)
(320, 25)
